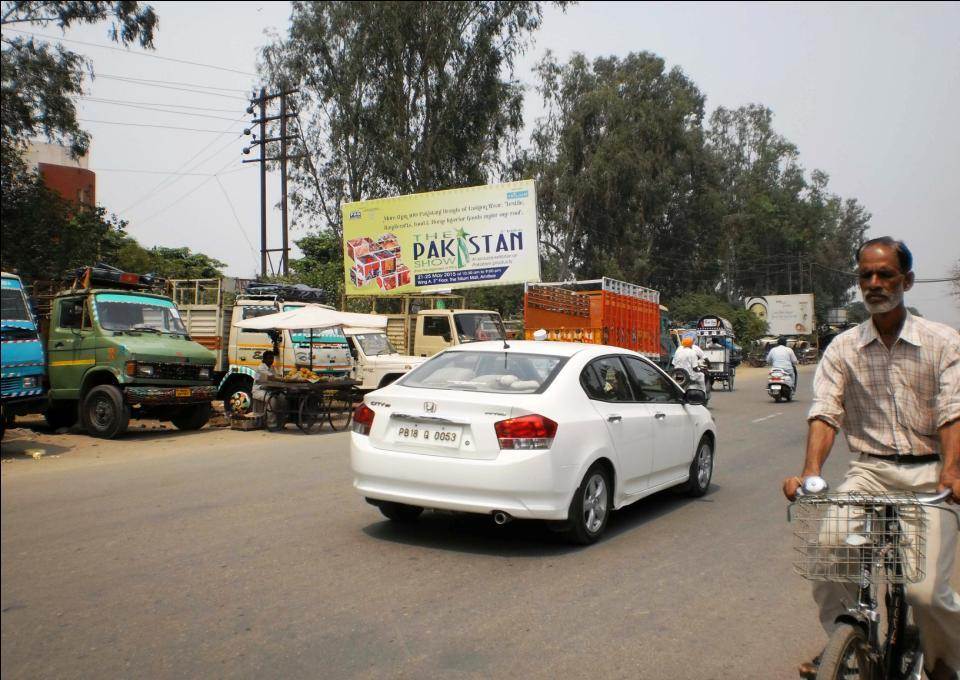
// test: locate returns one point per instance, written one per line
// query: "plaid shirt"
(890, 401)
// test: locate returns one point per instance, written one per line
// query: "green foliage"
(170, 263)
(632, 185)
(508, 300)
(39, 80)
(321, 265)
(399, 97)
(44, 236)
(687, 309)
(623, 180)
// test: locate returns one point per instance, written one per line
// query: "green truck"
(116, 350)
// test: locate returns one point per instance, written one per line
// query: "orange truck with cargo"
(600, 311)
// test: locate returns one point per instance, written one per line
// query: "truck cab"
(437, 329)
(121, 353)
(22, 354)
(376, 361)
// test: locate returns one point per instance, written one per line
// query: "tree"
(39, 80)
(398, 98)
(44, 235)
(624, 185)
(687, 309)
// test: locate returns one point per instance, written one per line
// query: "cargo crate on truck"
(599, 311)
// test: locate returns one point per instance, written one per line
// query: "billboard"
(477, 236)
(785, 314)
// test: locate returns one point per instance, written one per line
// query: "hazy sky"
(869, 94)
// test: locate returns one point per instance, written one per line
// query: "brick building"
(69, 177)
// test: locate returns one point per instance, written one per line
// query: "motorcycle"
(684, 379)
(780, 384)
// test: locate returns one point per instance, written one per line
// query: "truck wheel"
(60, 414)
(238, 398)
(103, 413)
(192, 417)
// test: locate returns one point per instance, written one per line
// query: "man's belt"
(898, 459)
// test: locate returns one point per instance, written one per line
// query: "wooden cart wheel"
(311, 415)
(275, 412)
(340, 409)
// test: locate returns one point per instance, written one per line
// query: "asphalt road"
(247, 554)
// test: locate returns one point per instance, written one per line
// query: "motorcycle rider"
(688, 358)
(893, 385)
(782, 357)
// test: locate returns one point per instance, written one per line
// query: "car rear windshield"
(500, 372)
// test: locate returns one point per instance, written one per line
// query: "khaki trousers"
(936, 606)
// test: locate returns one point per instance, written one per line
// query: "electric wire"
(147, 125)
(183, 196)
(179, 89)
(187, 167)
(127, 51)
(198, 86)
(173, 106)
(152, 108)
(236, 219)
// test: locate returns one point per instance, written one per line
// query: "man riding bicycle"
(893, 385)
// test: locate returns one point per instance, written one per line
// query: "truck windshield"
(14, 307)
(117, 312)
(375, 344)
(477, 327)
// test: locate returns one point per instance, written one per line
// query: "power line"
(148, 125)
(253, 252)
(186, 165)
(126, 51)
(178, 89)
(183, 196)
(154, 172)
(153, 108)
(174, 106)
(199, 86)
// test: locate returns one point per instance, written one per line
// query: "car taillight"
(363, 419)
(526, 432)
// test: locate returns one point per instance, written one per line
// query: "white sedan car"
(537, 430)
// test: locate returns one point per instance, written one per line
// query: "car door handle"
(659, 416)
(614, 418)
(58, 344)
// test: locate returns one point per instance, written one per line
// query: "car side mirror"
(695, 397)
(447, 337)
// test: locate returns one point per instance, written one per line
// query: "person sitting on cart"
(265, 373)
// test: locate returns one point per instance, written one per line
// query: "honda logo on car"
(429, 407)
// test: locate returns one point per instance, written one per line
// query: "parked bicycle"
(878, 543)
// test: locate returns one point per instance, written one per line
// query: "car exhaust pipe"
(501, 518)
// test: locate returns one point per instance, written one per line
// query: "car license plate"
(429, 434)
(182, 392)
(775, 388)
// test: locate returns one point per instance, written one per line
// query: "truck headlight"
(204, 373)
(146, 370)
(30, 382)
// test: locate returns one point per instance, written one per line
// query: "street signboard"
(785, 314)
(442, 240)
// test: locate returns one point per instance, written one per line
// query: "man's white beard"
(893, 301)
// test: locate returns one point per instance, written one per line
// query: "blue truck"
(22, 361)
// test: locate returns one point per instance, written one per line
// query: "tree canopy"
(39, 80)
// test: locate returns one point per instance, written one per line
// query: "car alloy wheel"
(595, 503)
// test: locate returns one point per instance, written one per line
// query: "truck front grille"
(11, 383)
(166, 371)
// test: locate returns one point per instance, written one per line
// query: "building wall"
(68, 176)
(74, 184)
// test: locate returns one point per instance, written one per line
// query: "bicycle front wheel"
(845, 657)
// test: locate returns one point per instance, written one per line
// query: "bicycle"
(876, 542)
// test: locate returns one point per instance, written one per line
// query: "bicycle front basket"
(842, 537)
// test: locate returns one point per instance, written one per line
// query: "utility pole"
(261, 102)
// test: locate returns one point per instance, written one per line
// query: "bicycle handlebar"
(814, 485)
